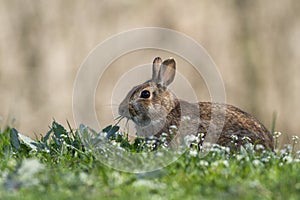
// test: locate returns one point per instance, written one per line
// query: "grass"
(68, 164)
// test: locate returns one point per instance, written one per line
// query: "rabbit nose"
(123, 110)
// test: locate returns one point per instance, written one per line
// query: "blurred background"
(255, 44)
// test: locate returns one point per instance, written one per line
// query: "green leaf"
(28, 141)
(58, 129)
(112, 132)
(107, 129)
(47, 136)
(14, 140)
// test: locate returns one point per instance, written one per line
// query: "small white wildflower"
(246, 138)
(226, 163)
(207, 146)
(165, 145)
(239, 157)
(173, 130)
(114, 143)
(163, 140)
(28, 170)
(186, 118)
(149, 184)
(265, 159)
(286, 150)
(298, 154)
(256, 163)
(288, 159)
(193, 152)
(201, 135)
(249, 147)
(159, 154)
(254, 184)
(189, 139)
(295, 138)
(120, 148)
(103, 134)
(259, 147)
(84, 177)
(63, 136)
(234, 137)
(215, 148)
(117, 178)
(276, 134)
(215, 164)
(173, 127)
(203, 163)
(164, 134)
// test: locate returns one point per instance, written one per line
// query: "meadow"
(59, 165)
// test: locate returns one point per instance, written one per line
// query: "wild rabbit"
(154, 109)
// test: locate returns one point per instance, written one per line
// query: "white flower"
(234, 137)
(220, 162)
(288, 159)
(28, 170)
(173, 127)
(246, 138)
(295, 138)
(159, 154)
(203, 163)
(254, 184)
(239, 157)
(265, 159)
(84, 177)
(297, 154)
(186, 118)
(256, 163)
(149, 184)
(189, 139)
(193, 152)
(226, 163)
(164, 134)
(259, 147)
(276, 134)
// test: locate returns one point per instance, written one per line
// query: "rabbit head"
(148, 104)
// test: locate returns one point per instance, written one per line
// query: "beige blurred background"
(255, 44)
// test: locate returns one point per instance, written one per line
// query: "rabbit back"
(219, 123)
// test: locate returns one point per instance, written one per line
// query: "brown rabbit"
(154, 109)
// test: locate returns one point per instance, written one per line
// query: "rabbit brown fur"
(154, 109)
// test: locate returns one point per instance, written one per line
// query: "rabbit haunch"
(154, 109)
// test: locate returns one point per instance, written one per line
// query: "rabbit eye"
(145, 94)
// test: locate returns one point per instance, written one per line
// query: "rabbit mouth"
(133, 115)
(141, 120)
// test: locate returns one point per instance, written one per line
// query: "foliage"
(61, 165)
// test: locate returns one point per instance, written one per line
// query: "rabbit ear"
(167, 72)
(155, 68)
